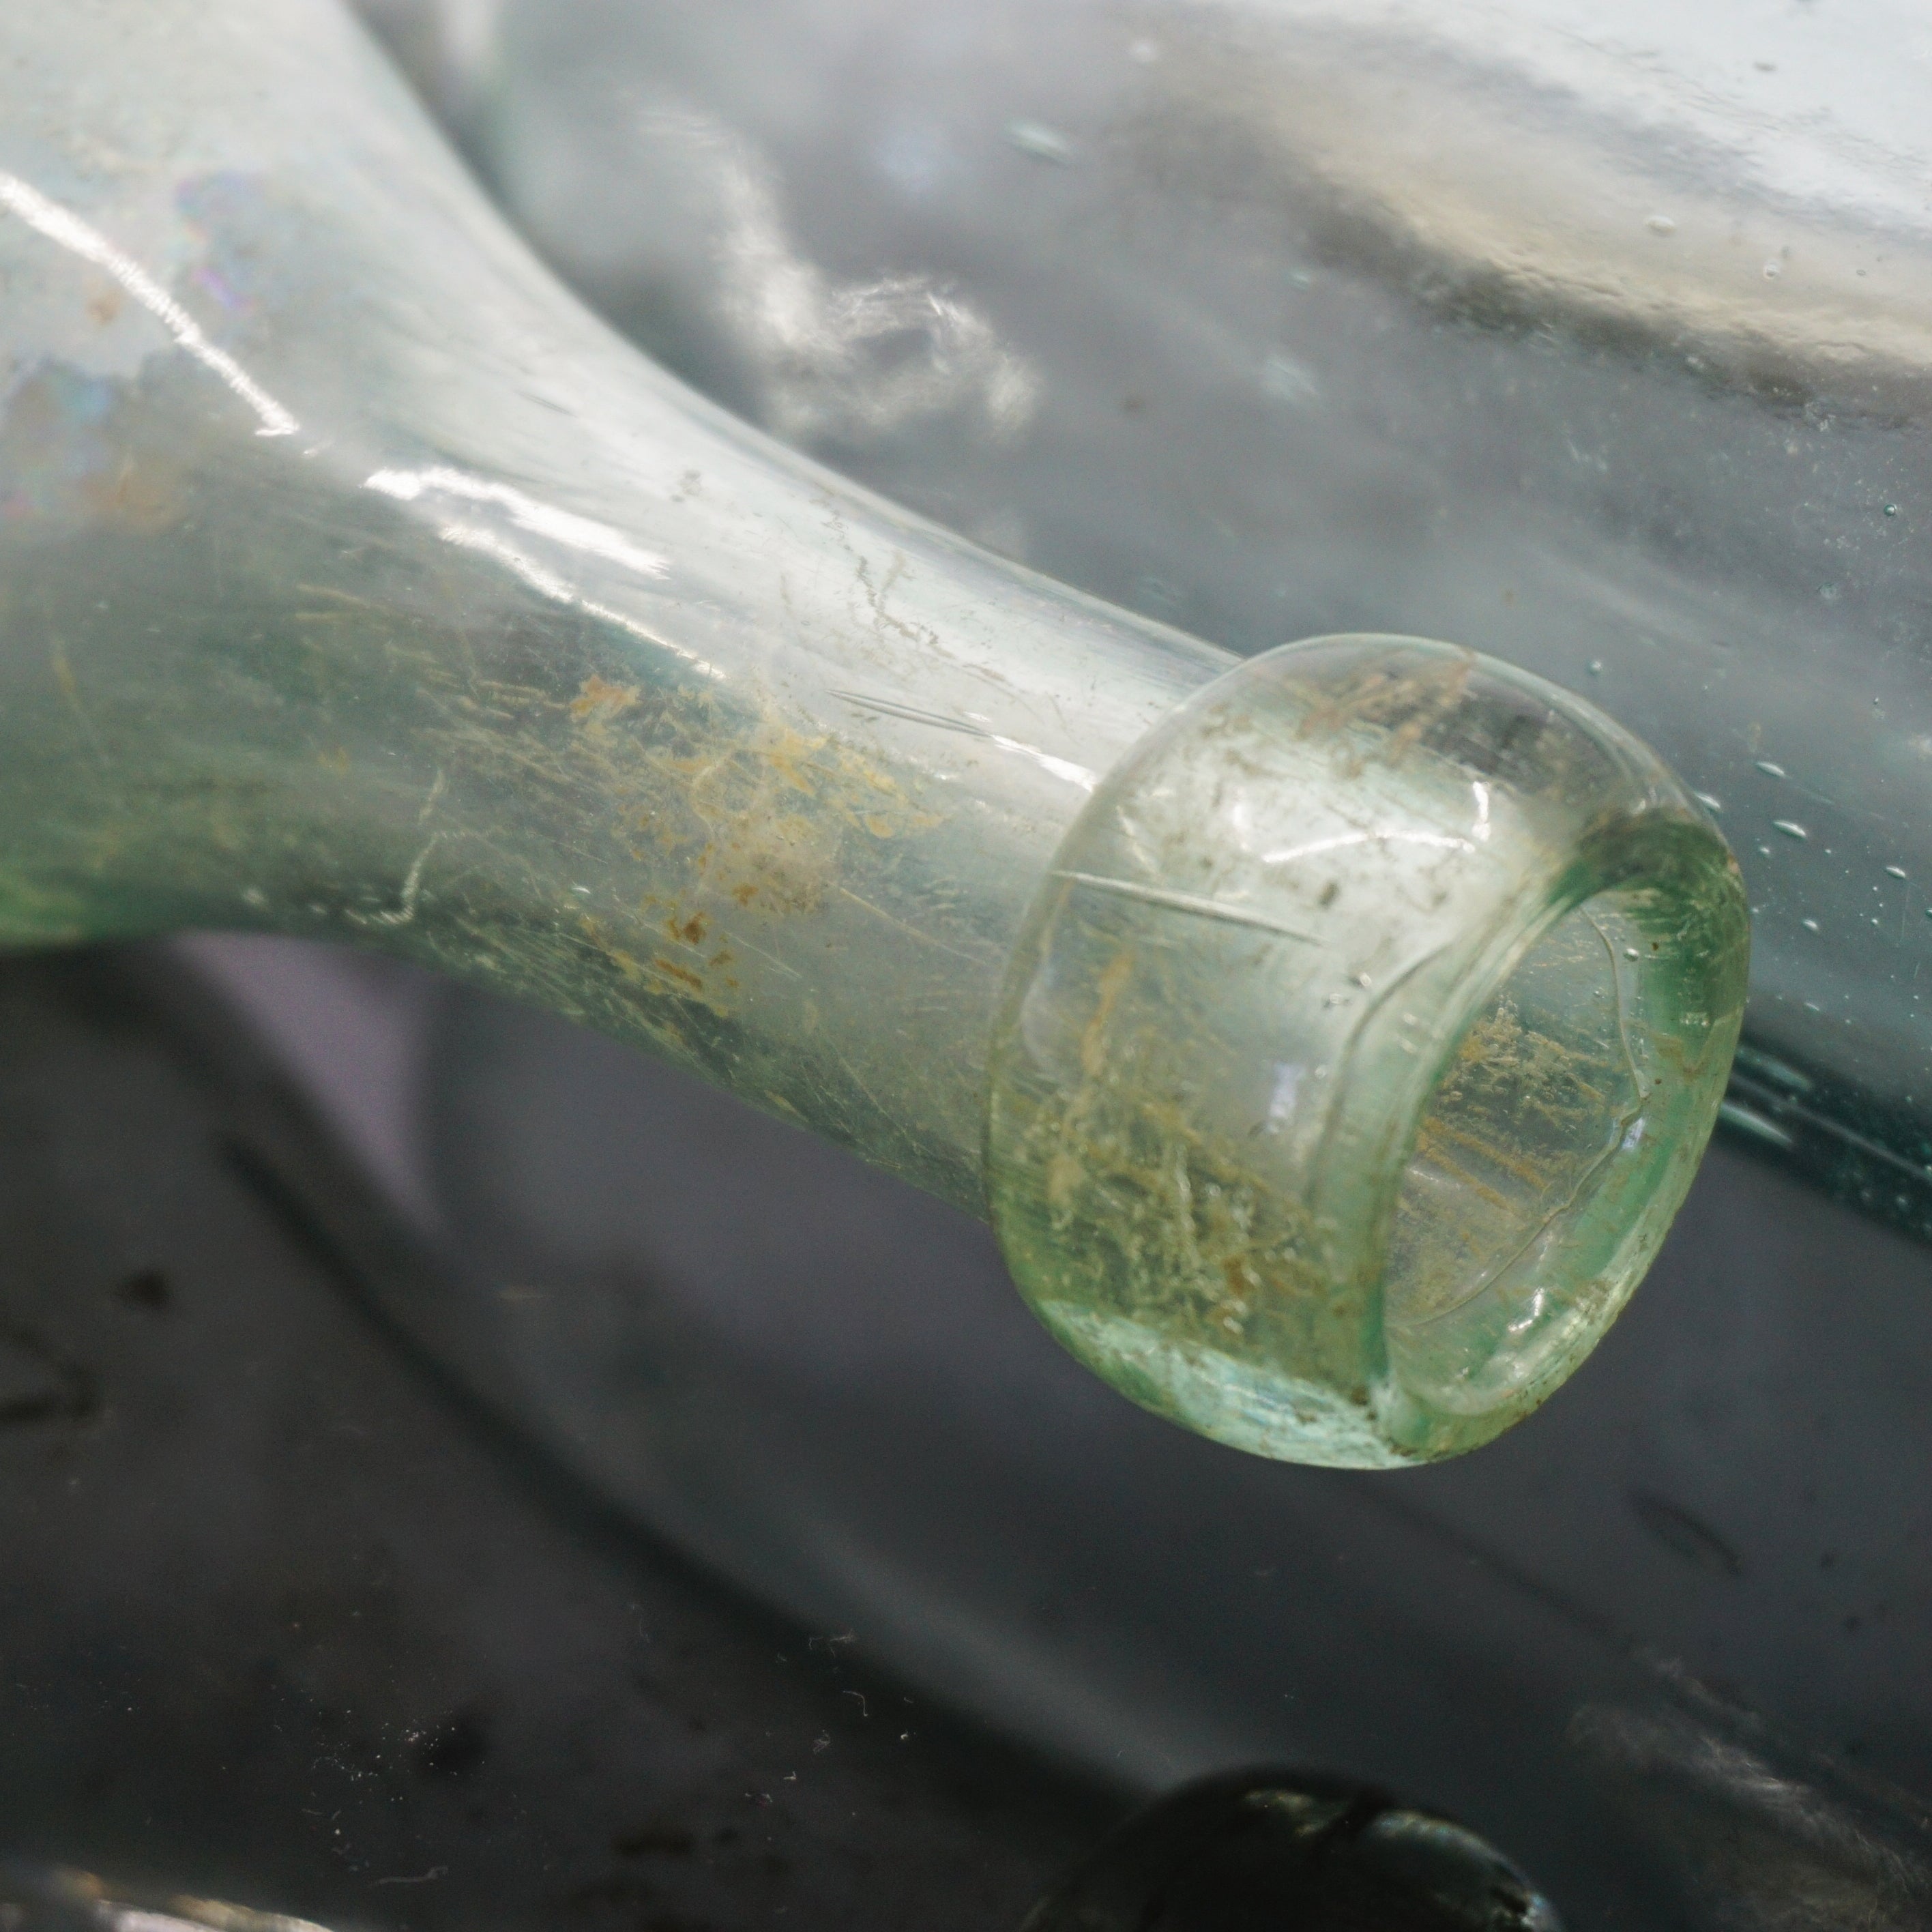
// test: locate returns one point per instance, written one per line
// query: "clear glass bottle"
(1330, 1038)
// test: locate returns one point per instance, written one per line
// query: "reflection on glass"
(57, 1898)
(1759, 1831)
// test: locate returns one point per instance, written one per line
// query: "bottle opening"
(1534, 1156)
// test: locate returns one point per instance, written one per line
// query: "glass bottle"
(1261, 1847)
(1330, 1038)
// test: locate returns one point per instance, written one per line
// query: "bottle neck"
(368, 589)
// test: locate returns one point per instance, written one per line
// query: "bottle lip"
(1321, 870)
(1623, 856)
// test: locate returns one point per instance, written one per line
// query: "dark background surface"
(280, 1620)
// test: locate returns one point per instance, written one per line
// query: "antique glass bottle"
(1330, 1038)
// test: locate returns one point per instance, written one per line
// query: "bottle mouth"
(1538, 1099)
(1539, 1161)
(1360, 1050)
